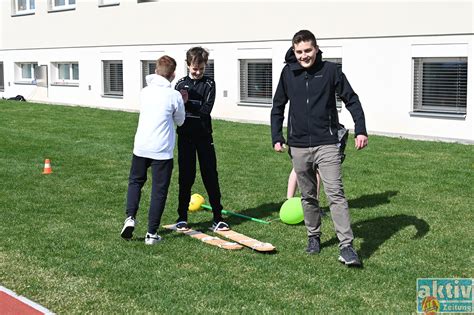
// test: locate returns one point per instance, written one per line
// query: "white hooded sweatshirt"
(160, 108)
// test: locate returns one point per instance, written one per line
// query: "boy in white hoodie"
(161, 107)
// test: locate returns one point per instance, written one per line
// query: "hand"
(278, 147)
(361, 141)
(184, 94)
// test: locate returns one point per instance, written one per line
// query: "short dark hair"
(165, 66)
(197, 55)
(304, 36)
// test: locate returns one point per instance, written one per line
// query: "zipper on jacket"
(330, 124)
(307, 107)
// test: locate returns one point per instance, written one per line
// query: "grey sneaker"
(128, 227)
(152, 239)
(314, 245)
(349, 256)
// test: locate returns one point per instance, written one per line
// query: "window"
(66, 73)
(148, 67)
(2, 84)
(23, 6)
(25, 72)
(256, 81)
(62, 4)
(440, 85)
(337, 61)
(113, 77)
(209, 69)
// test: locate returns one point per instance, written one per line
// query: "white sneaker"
(128, 227)
(152, 239)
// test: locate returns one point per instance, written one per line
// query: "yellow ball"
(196, 202)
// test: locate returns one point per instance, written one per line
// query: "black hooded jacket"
(202, 94)
(313, 118)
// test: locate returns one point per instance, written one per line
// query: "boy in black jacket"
(309, 84)
(195, 136)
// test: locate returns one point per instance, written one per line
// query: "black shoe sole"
(352, 263)
(127, 233)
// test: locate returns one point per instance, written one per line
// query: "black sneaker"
(349, 256)
(314, 245)
(220, 226)
(182, 226)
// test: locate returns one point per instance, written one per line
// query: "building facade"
(409, 62)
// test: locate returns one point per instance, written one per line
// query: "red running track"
(13, 304)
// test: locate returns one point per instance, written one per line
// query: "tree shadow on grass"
(377, 231)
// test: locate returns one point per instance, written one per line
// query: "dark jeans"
(161, 176)
(203, 145)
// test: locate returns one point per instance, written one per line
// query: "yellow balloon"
(196, 202)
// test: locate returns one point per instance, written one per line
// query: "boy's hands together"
(184, 94)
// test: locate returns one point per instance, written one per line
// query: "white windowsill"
(61, 9)
(111, 96)
(438, 115)
(109, 5)
(25, 82)
(23, 13)
(64, 84)
(254, 104)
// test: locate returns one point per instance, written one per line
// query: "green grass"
(411, 206)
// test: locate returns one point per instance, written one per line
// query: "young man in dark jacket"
(195, 136)
(310, 85)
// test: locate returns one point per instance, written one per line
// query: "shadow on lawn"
(373, 200)
(375, 232)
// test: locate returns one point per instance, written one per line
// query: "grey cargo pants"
(327, 159)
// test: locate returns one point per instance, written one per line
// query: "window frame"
(419, 93)
(2, 77)
(57, 80)
(338, 62)
(244, 98)
(63, 7)
(17, 11)
(145, 65)
(19, 78)
(107, 88)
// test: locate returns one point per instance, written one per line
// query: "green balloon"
(291, 211)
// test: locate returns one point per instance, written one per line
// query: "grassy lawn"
(411, 206)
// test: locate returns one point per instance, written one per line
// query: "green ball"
(291, 211)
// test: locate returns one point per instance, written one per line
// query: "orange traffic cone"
(47, 167)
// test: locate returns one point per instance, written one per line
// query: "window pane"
(32, 4)
(22, 5)
(59, 2)
(75, 71)
(113, 78)
(63, 71)
(26, 71)
(72, 1)
(440, 84)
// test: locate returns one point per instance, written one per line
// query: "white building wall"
(376, 42)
